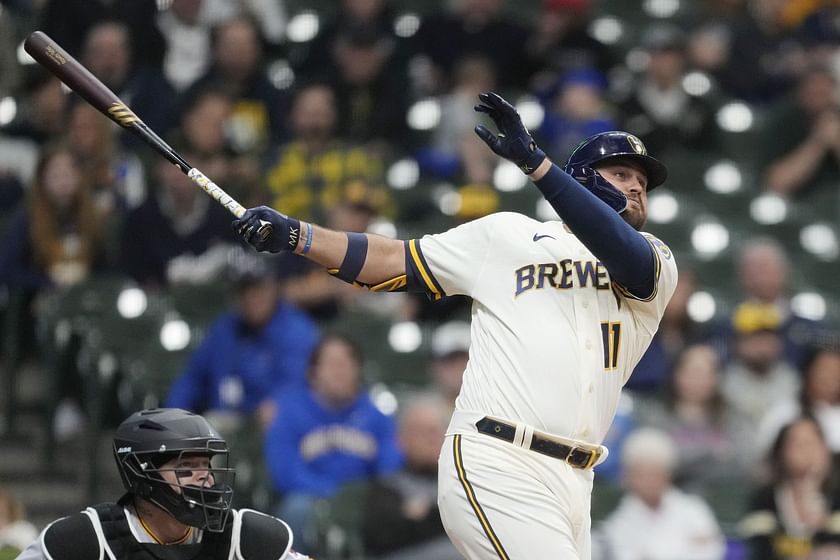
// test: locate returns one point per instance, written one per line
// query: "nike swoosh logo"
(537, 237)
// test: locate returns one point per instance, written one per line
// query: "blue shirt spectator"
(250, 354)
(326, 435)
(313, 448)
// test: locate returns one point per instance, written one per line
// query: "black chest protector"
(213, 546)
(102, 532)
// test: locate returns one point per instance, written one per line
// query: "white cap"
(450, 337)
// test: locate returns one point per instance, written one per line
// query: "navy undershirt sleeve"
(624, 251)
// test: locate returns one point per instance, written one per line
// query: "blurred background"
(122, 285)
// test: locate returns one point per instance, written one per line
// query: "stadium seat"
(339, 523)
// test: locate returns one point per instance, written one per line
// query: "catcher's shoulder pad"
(71, 538)
(261, 536)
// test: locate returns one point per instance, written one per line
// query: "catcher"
(177, 505)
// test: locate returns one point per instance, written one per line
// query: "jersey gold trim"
(420, 264)
(395, 284)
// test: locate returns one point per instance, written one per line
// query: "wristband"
(293, 233)
(354, 259)
(308, 244)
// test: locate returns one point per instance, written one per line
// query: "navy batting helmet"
(614, 144)
(148, 440)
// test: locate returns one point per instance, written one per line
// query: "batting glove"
(283, 236)
(514, 142)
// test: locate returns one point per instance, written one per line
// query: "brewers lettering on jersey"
(562, 312)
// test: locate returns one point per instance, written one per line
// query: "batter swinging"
(562, 312)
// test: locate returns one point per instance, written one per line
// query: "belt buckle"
(590, 460)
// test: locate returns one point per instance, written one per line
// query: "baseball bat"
(78, 78)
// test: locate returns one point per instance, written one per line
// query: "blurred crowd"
(358, 114)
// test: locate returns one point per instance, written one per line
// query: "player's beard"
(635, 217)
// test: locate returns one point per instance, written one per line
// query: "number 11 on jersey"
(611, 335)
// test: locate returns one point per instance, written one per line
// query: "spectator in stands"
(819, 397)
(69, 24)
(450, 353)
(793, 515)
(206, 129)
(370, 90)
(327, 434)
(15, 531)
(575, 109)
(758, 375)
(179, 234)
(455, 152)
(560, 42)
(659, 109)
(38, 119)
(187, 37)
(115, 174)
(251, 355)
(41, 109)
(654, 518)
(401, 520)
(764, 55)
(270, 15)
(763, 269)
(708, 43)
(713, 444)
(308, 285)
(475, 27)
(257, 117)
(107, 53)
(314, 60)
(56, 238)
(801, 146)
(308, 174)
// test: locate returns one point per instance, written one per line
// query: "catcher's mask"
(613, 145)
(145, 445)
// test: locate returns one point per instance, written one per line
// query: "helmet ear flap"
(600, 187)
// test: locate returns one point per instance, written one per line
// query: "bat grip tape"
(354, 259)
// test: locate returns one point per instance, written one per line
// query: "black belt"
(577, 457)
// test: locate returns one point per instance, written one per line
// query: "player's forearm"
(385, 258)
(625, 253)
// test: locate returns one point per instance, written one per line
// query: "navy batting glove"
(285, 231)
(514, 142)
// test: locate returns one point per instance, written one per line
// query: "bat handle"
(223, 198)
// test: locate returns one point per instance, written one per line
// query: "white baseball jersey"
(553, 338)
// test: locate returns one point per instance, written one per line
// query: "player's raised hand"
(285, 231)
(513, 142)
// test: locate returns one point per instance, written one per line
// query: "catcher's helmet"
(148, 439)
(608, 145)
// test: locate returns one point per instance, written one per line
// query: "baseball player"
(562, 311)
(177, 505)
